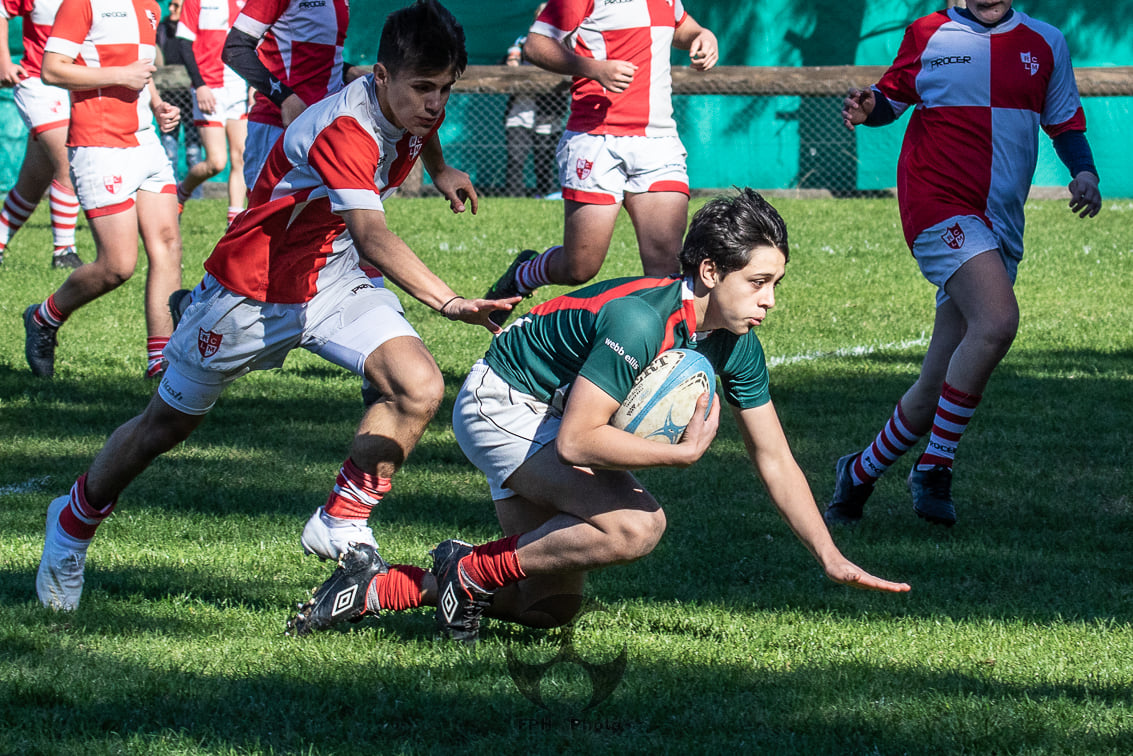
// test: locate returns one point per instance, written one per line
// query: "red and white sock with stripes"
(13, 216)
(532, 274)
(494, 565)
(953, 412)
(895, 439)
(233, 212)
(79, 519)
(355, 492)
(49, 315)
(64, 215)
(155, 354)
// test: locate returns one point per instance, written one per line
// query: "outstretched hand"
(848, 573)
(477, 311)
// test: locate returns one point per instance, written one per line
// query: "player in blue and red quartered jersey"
(286, 275)
(621, 144)
(534, 416)
(981, 81)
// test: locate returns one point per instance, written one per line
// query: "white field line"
(856, 351)
(28, 486)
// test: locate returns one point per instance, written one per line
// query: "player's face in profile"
(413, 100)
(989, 11)
(740, 300)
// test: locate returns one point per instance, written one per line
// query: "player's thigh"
(599, 497)
(587, 231)
(236, 129)
(116, 240)
(53, 142)
(659, 221)
(983, 291)
(215, 142)
(158, 223)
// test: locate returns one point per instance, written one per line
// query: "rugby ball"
(662, 399)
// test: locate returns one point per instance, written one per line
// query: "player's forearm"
(393, 257)
(686, 32)
(189, 60)
(551, 55)
(1074, 151)
(433, 157)
(75, 77)
(240, 55)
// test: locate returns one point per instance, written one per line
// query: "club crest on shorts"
(112, 183)
(582, 167)
(953, 236)
(208, 342)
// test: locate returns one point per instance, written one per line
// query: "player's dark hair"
(726, 230)
(423, 37)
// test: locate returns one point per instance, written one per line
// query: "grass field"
(1016, 637)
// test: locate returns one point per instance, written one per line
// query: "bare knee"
(215, 164)
(635, 535)
(422, 396)
(113, 274)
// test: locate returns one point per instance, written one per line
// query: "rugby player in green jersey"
(534, 416)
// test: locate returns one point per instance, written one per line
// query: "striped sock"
(79, 519)
(953, 412)
(49, 315)
(64, 214)
(532, 274)
(895, 439)
(13, 216)
(233, 212)
(494, 565)
(155, 354)
(355, 492)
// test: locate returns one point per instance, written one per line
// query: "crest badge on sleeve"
(953, 236)
(208, 342)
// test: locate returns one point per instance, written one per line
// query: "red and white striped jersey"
(980, 95)
(339, 154)
(638, 31)
(205, 23)
(301, 46)
(38, 16)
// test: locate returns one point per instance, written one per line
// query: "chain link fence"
(777, 129)
(774, 128)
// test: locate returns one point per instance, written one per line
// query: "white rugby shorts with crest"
(42, 106)
(598, 169)
(224, 335)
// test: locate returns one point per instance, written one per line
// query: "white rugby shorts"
(940, 250)
(224, 335)
(599, 169)
(231, 105)
(42, 106)
(499, 427)
(106, 179)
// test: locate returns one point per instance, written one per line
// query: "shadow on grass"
(445, 699)
(1042, 486)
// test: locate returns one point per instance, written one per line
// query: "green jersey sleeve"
(627, 336)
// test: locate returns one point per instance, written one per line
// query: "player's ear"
(381, 74)
(708, 273)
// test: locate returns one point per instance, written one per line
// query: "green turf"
(1016, 638)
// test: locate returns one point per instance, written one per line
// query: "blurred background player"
(621, 144)
(285, 275)
(46, 112)
(982, 81)
(263, 47)
(122, 176)
(169, 54)
(532, 126)
(220, 99)
(534, 416)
